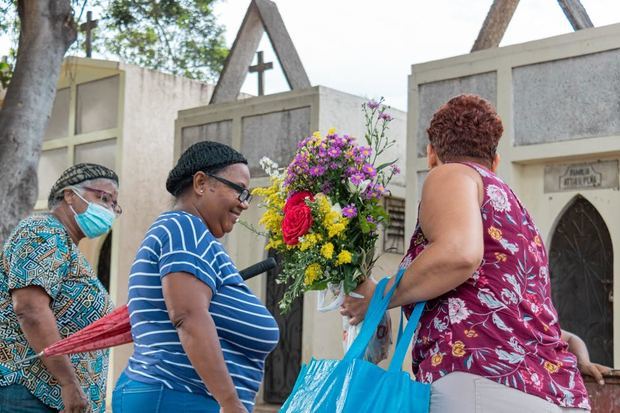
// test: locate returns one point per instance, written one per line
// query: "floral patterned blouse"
(501, 323)
(40, 252)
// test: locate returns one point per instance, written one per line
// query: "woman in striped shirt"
(201, 337)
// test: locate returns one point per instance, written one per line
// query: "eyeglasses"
(244, 193)
(106, 198)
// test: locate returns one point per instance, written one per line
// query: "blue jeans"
(17, 398)
(131, 396)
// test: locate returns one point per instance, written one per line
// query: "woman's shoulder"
(448, 177)
(181, 226)
(40, 226)
(44, 231)
(178, 220)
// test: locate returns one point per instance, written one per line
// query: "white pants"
(467, 393)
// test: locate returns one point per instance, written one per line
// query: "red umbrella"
(109, 331)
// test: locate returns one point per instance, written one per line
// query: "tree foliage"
(181, 37)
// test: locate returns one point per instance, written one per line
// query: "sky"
(367, 47)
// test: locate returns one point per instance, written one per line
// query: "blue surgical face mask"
(96, 220)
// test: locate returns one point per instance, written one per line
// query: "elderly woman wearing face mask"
(48, 291)
(201, 336)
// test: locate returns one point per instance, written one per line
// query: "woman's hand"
(597, 371)
(355, 308)
(578, 347)
(73, 398)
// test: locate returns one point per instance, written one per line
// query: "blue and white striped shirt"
(181, 242)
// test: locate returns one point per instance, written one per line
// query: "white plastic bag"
(379, 345)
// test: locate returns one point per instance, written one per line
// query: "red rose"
(296, 199)
(296, 223)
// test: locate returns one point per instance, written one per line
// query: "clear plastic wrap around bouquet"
(323, 213)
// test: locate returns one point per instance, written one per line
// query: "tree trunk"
(47, 31)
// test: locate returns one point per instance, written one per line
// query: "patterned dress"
(501, 323)
(40, 252)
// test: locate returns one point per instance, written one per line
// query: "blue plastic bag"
(352, 385)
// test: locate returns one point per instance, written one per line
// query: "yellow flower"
(313, 273)
(317, 134)
(272, 220)
(336, 229)
(500, 256)
(436, 359)
(495, 233)
(327, 250)
(344, 257)
(458, 349)
(471, 333)
(551, 367)
(331, 131)
(308, 241)
(331, 217)
(537, 240)
(323, 202)
(274, 244)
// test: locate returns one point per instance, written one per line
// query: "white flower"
(354, 189)
(457, 310)
(337, 208)
(269, 166)
(498, 197)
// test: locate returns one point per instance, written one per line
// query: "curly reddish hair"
(467, 127)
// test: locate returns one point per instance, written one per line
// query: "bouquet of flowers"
(323, 210)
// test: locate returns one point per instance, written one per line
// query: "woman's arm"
(188, 299)
(578, 347)
(37, 321)
(451, 221)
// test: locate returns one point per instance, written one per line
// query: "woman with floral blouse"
(489, 338)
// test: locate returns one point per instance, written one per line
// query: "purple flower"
(370, 219)
(375, 191)
(304, 142)
(349, 211)
(338, 141)
(365, 151)
(385, 116)
(357, 178)
(351, 170)
(334, 152)
(317, 170)
(373, 104)
(326, 187)
(369, 170)
(395, 169)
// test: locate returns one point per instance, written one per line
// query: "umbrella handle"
(22, 361)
